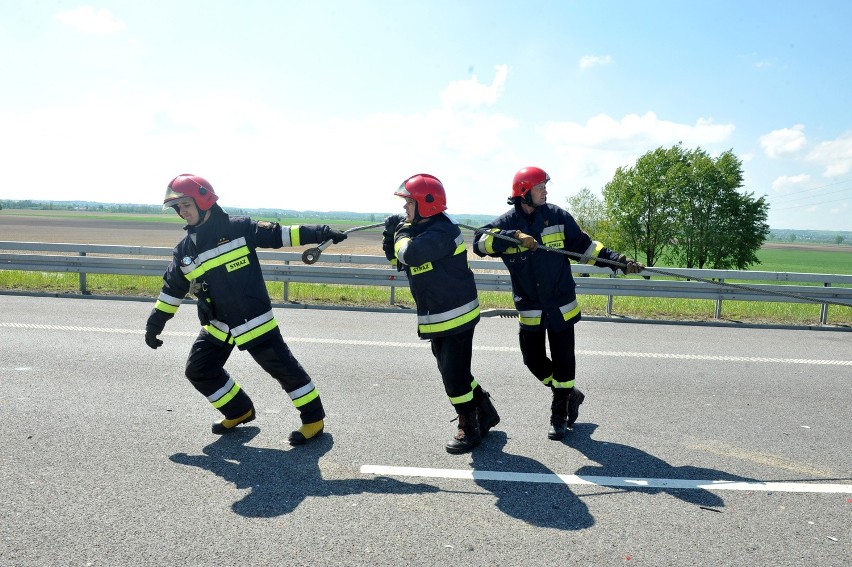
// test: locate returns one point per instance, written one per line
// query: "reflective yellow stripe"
(219, 334)
(570, 311)
(208, 265)
(486, 242)
(399, 244)
(554, 236)
(295, 239)
(590, 256)
(468, 397)
(451, 323)
(531, 318)
(227, 397)
(307, 398)
(549, 381)
(256, 332)
(165, 307)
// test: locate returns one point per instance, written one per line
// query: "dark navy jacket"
(434, 257)
(543, 288)
(217, 263)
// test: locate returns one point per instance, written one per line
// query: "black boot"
(558, 414)
(564, 411)
(487, 414)
(574, 400)
(467, 437)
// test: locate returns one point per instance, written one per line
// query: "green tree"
(717, 226)
(837, 239)
(640, 205)
(588, 210)
(684, 206)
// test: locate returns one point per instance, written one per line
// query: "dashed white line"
(611, 481)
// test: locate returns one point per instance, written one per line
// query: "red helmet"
(188, 185)
(524, 180)
(427, 191)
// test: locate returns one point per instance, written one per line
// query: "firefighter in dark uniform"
(428, 245)
(543, 287)
(216, 261)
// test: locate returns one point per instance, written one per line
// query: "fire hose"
(621, 265)
(311, 255)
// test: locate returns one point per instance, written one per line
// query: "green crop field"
(811, 261)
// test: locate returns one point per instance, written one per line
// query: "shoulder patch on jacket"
(266, 225)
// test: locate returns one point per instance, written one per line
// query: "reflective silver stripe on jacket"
(213, 253)
(170, 299)
(252, 324)
(591, 253)
(433, 318)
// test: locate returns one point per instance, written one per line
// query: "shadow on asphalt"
(278, 480)
(620, 460)
(547, 505)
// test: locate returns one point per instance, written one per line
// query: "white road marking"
(612, 481)
(426, 344)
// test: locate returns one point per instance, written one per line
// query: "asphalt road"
(696, 446)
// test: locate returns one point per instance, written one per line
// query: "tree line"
(678, 207)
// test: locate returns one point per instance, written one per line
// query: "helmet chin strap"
(417, 218)
(202, 216)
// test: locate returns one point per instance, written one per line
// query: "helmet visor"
(402, 191)
(172, 197)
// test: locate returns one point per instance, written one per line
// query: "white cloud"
(784, 142)
(589, 61)
(254, 155)
(835, 156)
(789, 183)
(470, 93)
(590, 153)
(88, 20)
(633, 131)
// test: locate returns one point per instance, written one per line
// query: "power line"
(816, 196)
(806, 205)
(788, 195)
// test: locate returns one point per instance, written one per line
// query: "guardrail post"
(718, 313)
(609, 300)
(823, 308)
(286, 286)
(83, 279)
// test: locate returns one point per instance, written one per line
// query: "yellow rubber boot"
(307, 432)
(226, 425)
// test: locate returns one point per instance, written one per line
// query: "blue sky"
(329, 105)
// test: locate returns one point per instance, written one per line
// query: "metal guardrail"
(491, 275)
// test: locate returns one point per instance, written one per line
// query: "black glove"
(391, 224)
(325, 232)
(151, 338)
(154, 326)
(630, 266)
